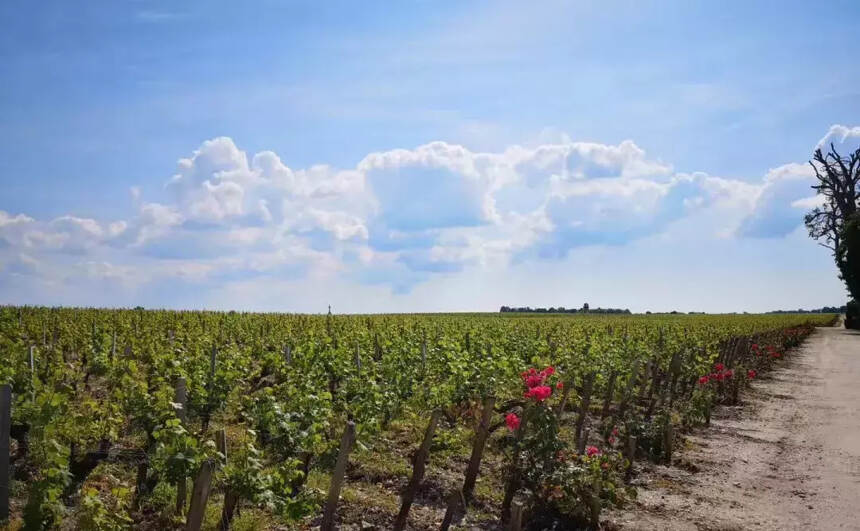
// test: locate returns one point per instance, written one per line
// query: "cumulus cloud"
(434, 186)
(67, 234)
(614, 210)
(785, 194)
(585, 160)
(398, 217)
(13, 228)
(779, 203)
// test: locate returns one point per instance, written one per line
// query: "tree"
(837, 177)
(848, 259)
(837, 221)
(848, 255)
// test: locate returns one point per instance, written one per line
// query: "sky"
(423, 155)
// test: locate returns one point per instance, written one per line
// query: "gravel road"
(788, 458)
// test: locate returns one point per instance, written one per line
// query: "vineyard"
(139, 419)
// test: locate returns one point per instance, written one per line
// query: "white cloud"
(67, 234)
(343, 226)
(808, 203)
(401, 216)
(7, 220)
(153, 220)
(840, 136)
(586, 160)
(775, 211)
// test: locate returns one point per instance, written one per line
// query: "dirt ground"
(788, 458)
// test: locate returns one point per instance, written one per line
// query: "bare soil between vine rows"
(787, 458)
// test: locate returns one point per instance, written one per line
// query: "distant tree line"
(561, 309)
(825, 309)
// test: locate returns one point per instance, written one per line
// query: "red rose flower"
(534, 380)
(539, 393)
(513, 421)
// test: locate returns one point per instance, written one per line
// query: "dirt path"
(789, 458)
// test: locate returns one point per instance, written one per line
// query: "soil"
(787, 458)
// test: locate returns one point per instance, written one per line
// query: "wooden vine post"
(482, 433)
(454, 503)
(231, 498)
(580, 442)
(668, 441)
(630, 455)
(418, 468)
(346, 443)
(5, 457)
(516, 521)
(181, 399)
(199, 496)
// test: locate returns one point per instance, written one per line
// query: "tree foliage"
(848, 255)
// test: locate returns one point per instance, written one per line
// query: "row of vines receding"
(139, 419)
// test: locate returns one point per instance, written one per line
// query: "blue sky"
(423, 155)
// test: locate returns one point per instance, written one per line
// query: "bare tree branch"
(837, 179)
